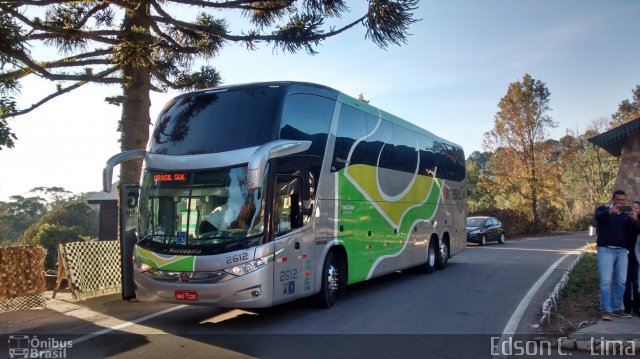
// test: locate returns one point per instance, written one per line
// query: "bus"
(258, 194)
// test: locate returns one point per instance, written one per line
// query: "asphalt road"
(462, 311)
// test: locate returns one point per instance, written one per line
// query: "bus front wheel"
(331, 281)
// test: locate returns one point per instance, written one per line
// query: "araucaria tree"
(523, 163)
(145, 45)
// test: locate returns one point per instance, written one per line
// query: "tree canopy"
(523, 162)
(153, 45)
(20, 212)
(628, 110)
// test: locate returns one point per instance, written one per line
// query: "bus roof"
(329, 92)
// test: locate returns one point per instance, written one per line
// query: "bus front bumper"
(252, 290)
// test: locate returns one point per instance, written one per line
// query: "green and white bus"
(255, 195)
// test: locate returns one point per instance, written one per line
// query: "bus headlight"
(248, 267)
(141, 267)
(203, 277)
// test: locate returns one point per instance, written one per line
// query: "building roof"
(97, 197)
(613, 140)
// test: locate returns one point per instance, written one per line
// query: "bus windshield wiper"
(206, 237)
(163, 236)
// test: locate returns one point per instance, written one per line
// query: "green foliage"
(49, 235)
(100, 47)
(70, 222)
(522, 164)
(583, 279)
(573, 176)
(589, 174)
(205, 78)
(18, 214)
(46, 216)
(481, 191)
(387, 21)
(7, 106)
(628, 110)
(7, 137)
(142, 46)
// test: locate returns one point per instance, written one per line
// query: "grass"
(578, 304)
(583, 279)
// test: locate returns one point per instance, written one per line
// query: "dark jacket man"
(613, 229)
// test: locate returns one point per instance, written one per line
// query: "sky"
(448, 78)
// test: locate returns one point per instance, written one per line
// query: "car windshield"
(204, 208)
(475, 222)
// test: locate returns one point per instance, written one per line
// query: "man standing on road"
(613, 227)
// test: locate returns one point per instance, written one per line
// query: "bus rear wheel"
(432, 257)
(443, 254)
(331, 282)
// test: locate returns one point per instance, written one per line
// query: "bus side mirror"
(269, 150)
(107, 173)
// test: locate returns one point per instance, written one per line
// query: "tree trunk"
(534, 207)
(135, 119)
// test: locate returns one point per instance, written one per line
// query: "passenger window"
(383, 136)
(427, 157)
(307, 117)
(405, 156)
(352, 126)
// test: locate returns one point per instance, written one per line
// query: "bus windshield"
(218, 122)
(205, 208)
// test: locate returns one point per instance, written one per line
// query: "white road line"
(512, 325)
(108, 329)
(126, 324)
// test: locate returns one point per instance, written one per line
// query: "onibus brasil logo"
(25, 346)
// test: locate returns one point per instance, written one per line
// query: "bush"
(50, 235)
(71, 222)
(582, 224)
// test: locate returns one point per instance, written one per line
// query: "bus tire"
(432, 255)
(331, 283)
(443, 254)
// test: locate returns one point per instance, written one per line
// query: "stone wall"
(628, 178)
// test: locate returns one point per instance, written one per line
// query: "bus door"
(293, 243)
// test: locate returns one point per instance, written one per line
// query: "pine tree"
(143, 45)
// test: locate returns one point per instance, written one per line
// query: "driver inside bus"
(220, 218)
(230, 215)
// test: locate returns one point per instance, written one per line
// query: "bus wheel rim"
(332, 279)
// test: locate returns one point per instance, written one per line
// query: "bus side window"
(287, 208)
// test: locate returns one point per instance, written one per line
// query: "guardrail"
(550, 304)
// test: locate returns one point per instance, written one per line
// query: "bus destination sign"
(170, 177)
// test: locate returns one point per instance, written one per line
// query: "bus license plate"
(186, 295)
